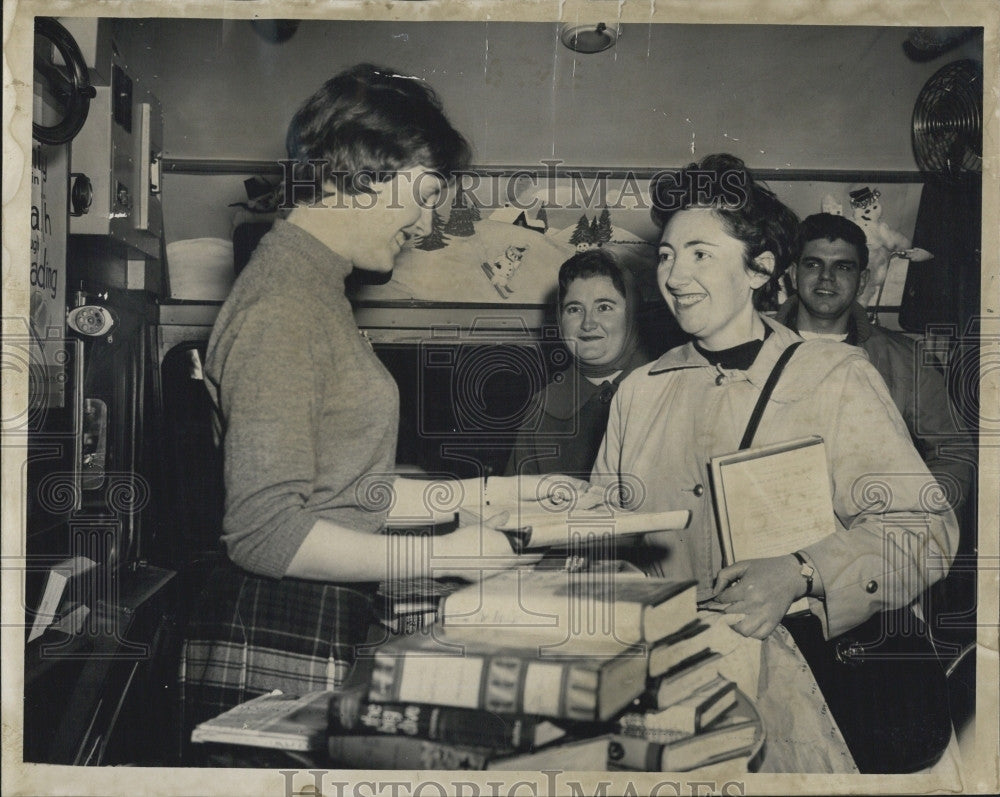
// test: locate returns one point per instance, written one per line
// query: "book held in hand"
(557, 603)
(547, 529)
(773, 500)
(592, 680)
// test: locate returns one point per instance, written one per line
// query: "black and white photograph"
(500, 398)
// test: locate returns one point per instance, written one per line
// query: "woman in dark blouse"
(597, 309)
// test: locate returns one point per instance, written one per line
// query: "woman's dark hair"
(591, 263)
(832, 228)
(750, 212)
(369, 122)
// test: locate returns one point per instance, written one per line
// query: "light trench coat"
(895, 534)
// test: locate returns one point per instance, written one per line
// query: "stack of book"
(528, 669)
(406, 605)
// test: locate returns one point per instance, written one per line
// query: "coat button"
(871, 587)
(699, 490)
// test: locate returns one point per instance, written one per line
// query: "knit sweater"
(309, 414)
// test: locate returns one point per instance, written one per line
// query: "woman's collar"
(687, 356)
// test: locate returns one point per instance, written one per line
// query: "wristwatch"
(807, 571)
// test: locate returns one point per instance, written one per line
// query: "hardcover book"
(404, 752)
(773, 500)
(579, 681)
(685, 717)
(686, 646)
(275, 720)
(553, 603)
(692, 752)
(350, 711)
(547, 529)
(579, 755)
(685, 679)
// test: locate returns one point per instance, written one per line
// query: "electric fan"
(948, 121)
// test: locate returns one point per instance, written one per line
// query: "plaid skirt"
(250, 635)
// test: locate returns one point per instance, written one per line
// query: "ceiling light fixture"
(589, 38)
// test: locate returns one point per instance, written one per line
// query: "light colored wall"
(780, 97)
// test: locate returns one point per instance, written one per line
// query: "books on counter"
(693, 641)
(685, 679)
(549, 528)
(406, 605)
(352, 711)
(586, 681)
(552, 603)
(739, 732)
(683, 755)
(404, 752)
(275, 720)
(686, 717)
(579, 755)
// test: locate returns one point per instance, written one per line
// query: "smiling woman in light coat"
(719, 259)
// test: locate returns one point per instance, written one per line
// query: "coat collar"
(813, 361)
(859, 328)
(564, 397)
(687, 356)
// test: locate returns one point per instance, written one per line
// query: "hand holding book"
(760, 592)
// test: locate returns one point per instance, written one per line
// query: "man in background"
(829, 277)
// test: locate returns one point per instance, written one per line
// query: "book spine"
(403, 752)
(629, 752)
(496, 683)
(444, 724)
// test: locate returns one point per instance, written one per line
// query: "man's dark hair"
(369, 122)
(750, 213)
(832, 228)
(591, 263)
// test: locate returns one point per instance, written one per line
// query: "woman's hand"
(758, 592)
(476, 551)
(549, 490)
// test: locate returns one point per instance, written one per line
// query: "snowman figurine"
(883, 241)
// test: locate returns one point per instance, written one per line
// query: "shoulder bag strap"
(765, 394)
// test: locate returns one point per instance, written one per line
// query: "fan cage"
(947, 121)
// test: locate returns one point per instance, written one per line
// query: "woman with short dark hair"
(725, 241)
(309, 415)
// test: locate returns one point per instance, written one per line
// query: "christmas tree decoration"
(462, 220)
(435, 239)
(604, 228)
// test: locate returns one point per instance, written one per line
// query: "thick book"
(683, 647)
(683, 755)
(555, 603)
(275, 720)
(588, 680)
(685, 717)
(687, 678)
(52, 607)
(773, 500)
(404, 752)
(350, 711)
(574, 527)
(578, 755)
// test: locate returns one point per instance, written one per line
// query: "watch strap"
(807, 571)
